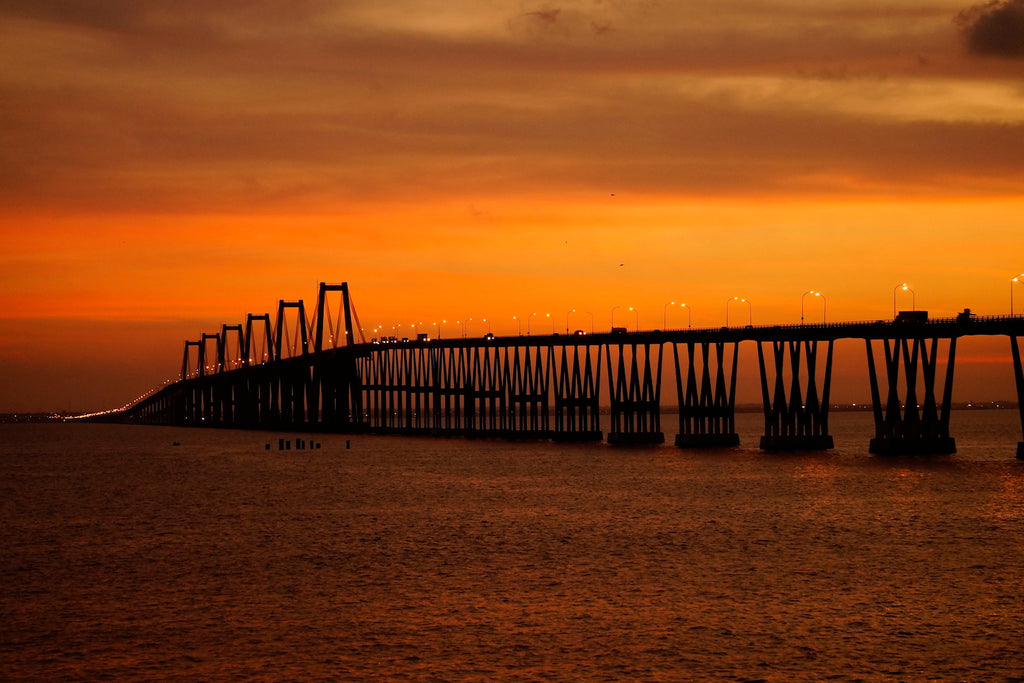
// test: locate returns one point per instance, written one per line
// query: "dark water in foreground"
(127, 558)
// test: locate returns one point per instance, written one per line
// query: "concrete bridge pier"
(1018, 375)
(914, 425)
(528, 381)
(577, 394)
(798, 421)
(707, 411)
(635, 394)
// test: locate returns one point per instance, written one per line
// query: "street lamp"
(750, 310)
(516, 318)
(664, 314)
(817, 294)
(689, 315)
(591, 321)
(905, 288)
(613, 316)
(548, 315)
(528, 321)
(567, 320)
(1014, 280)
(637, 312)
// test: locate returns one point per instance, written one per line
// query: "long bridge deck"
(552, 386)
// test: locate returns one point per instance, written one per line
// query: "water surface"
(126, 557)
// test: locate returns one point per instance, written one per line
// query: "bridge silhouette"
(311, 374)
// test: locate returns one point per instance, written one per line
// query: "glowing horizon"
(169, 171)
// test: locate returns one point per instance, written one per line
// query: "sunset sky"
(166, 167)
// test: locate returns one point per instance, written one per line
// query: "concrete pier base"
(708, 440)
(636, 438)
(1020, 450)
(943, 445)
(797, 443)
(573, 437)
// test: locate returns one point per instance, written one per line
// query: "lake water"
(125, 557)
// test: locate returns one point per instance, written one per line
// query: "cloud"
(994, 28)
(134, 105)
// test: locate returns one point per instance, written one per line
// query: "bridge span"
(312, 375)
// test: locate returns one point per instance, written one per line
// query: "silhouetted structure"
(549, 387)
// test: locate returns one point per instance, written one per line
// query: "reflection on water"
(126, 557)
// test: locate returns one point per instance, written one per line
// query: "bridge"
(310, 373)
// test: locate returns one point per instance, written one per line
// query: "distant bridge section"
(309, 373)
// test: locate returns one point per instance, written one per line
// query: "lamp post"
(664, 314)
(613, 316)
(591, 321)
(516, 318)
(529, 320)
(1013, 281)
(689, 315)
(817, 294)
(905, 288)
(567, 320)
(750, 310)
(548, 316)
(637, 312)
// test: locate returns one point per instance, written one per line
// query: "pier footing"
(572, 437)
(708, 440)
(940, 445)
(636, 438)
(797, 443)
(1020, 450)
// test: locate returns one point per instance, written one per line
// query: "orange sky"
(168, 167)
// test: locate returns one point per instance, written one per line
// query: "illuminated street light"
(689, 315)
(548, 316)
(905, 288)
(637, 313)
(567, 320)
(613, 316)
(817, 294)
(1014, 280)
(750, 310)
(529, 320)
(520, 322)
(664, 314)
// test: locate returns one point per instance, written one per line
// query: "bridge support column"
(798, 421)
(451, 388)
(918, 427)
(577, 395)
(528, 387)
(490, 397)
(1018, 374)
(635, 396)
(707, 412)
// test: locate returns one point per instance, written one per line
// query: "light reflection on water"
(430, 559)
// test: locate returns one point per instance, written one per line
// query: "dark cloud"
(995, 28)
